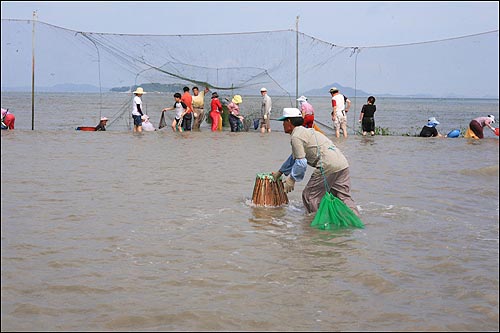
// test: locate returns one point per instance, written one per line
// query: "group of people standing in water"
(474, 131)
(190, 113)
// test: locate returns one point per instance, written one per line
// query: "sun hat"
(290, 113)
(333, 89)
(104, 118)
(237, 99)
(139, 90)
(432, 122)
(263, 89)
(492, 117)
(302, 98)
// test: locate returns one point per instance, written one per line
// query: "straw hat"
(237, 99)
(139, 91)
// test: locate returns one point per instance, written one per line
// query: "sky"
(350, 23)
(364, 23)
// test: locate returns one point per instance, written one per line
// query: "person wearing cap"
(146, 124)
(430, 130)
(265, 111)
(198, 106)
(102, 124)
(310, 147)
(234, 113)
(477, 125)
(307, 111)
(137, 109)
(338, 112)
(8, 119)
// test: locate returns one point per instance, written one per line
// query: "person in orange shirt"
(188, 117)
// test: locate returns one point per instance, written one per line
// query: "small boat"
(86, 128)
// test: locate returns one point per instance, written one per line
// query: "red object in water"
(86, 128)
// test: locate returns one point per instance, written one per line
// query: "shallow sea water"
(157, 231)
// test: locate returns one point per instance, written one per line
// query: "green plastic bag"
(333, 213)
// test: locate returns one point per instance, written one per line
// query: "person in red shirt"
(188, 117)
(215, 111)
(8, 119)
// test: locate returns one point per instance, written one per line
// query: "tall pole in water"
(33, 75)
(297, 62)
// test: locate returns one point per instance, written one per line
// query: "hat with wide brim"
(290, 113)
(237, 99)
(139, 90)
(302, 99)
(103, 118)
(432, 122)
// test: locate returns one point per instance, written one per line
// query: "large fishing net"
(287, 62)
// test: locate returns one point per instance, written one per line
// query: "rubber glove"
(277, 175)
(289, 184)
(265, 116)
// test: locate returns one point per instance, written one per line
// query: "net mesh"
(286, 62)
(333, 214)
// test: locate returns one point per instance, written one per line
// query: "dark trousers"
(234, 122)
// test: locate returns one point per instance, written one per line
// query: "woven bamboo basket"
(268, 192)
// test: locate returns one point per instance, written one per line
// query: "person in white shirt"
(137, 109)
(338, 112)
(265, 121)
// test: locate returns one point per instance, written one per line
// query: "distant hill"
(346, 91)
(172, 88)
(152, 87)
